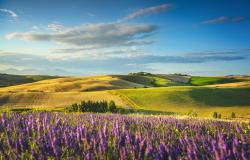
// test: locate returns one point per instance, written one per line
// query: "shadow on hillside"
(143, 111)
(225, 97)
(119, 110)
(4, 100)
(20, 110)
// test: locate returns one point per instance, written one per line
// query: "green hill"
(201, 100)
(200, 81)
(150, 80)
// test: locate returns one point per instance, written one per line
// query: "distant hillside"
(151, 80)
(142, 79)
(177, 78)
(233, 84)
(201, 81)
(10, 80)
(73, 84)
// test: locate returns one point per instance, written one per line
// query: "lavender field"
(47, 135)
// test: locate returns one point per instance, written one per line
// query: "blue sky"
(83, 37)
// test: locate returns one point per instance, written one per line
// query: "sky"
(90, 37)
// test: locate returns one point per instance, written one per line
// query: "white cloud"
(97, 54)
(94, 47)
(145, 11)
(95, 37)
(56, 27)
(73, 49)
(9, 12)
(98, 35)
(225, 19)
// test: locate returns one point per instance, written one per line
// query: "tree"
(215, 115)
(233, 115)
(112, 106)
(93, 106)
(219, 116)
(73, 108)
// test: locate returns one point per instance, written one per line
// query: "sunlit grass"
(201, 100)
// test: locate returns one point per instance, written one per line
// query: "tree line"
(93, 106)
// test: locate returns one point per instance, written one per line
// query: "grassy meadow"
(201, 100)
(201, 81)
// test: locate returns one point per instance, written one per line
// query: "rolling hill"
(73, 84)
(235, 84)
(52, 100)
(151, 92)
(185, 99)
(61, 92)
(154, 80)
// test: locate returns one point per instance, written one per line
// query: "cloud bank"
(92, 35)
(108, 61)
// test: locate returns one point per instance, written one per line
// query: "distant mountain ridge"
(10, 79)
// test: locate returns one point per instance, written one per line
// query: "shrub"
(153, 83)
(219, 116)
(233, 115)
(72, 108)
(192, 114)
(215, 115)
